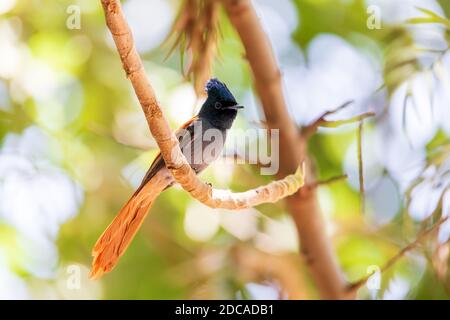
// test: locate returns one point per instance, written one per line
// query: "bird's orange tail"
(116, 238)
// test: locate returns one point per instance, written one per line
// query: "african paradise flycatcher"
(216, 115)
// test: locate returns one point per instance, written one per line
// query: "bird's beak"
(236, 107)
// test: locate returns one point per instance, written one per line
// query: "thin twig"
(357, 285)
(310, 129)
(337, 123)
(361, 169)
(331, 180)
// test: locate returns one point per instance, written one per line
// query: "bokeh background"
(74, 144)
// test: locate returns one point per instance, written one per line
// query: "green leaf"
(420, 20)
(432, 18)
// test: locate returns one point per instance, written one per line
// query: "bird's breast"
(205, 145)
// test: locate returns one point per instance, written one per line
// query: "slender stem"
(392, 261)
(362, 194)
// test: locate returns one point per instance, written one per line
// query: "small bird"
(217, 114)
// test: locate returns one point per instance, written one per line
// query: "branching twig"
(337, 123)
(319, 183)
(166, 140)
(352, 289)
(310, 129)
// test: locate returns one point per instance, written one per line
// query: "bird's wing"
(158, 162)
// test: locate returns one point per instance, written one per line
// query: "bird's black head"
(220, 108)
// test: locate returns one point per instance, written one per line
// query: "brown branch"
(166, 140)
(303, 205)
(353, 288)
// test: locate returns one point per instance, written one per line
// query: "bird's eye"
(217, 105)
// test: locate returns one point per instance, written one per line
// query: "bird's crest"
(219, 90)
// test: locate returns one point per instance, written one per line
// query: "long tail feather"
(117, 237)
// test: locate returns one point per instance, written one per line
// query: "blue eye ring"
(217, 105)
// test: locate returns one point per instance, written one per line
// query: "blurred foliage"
(82, 101)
